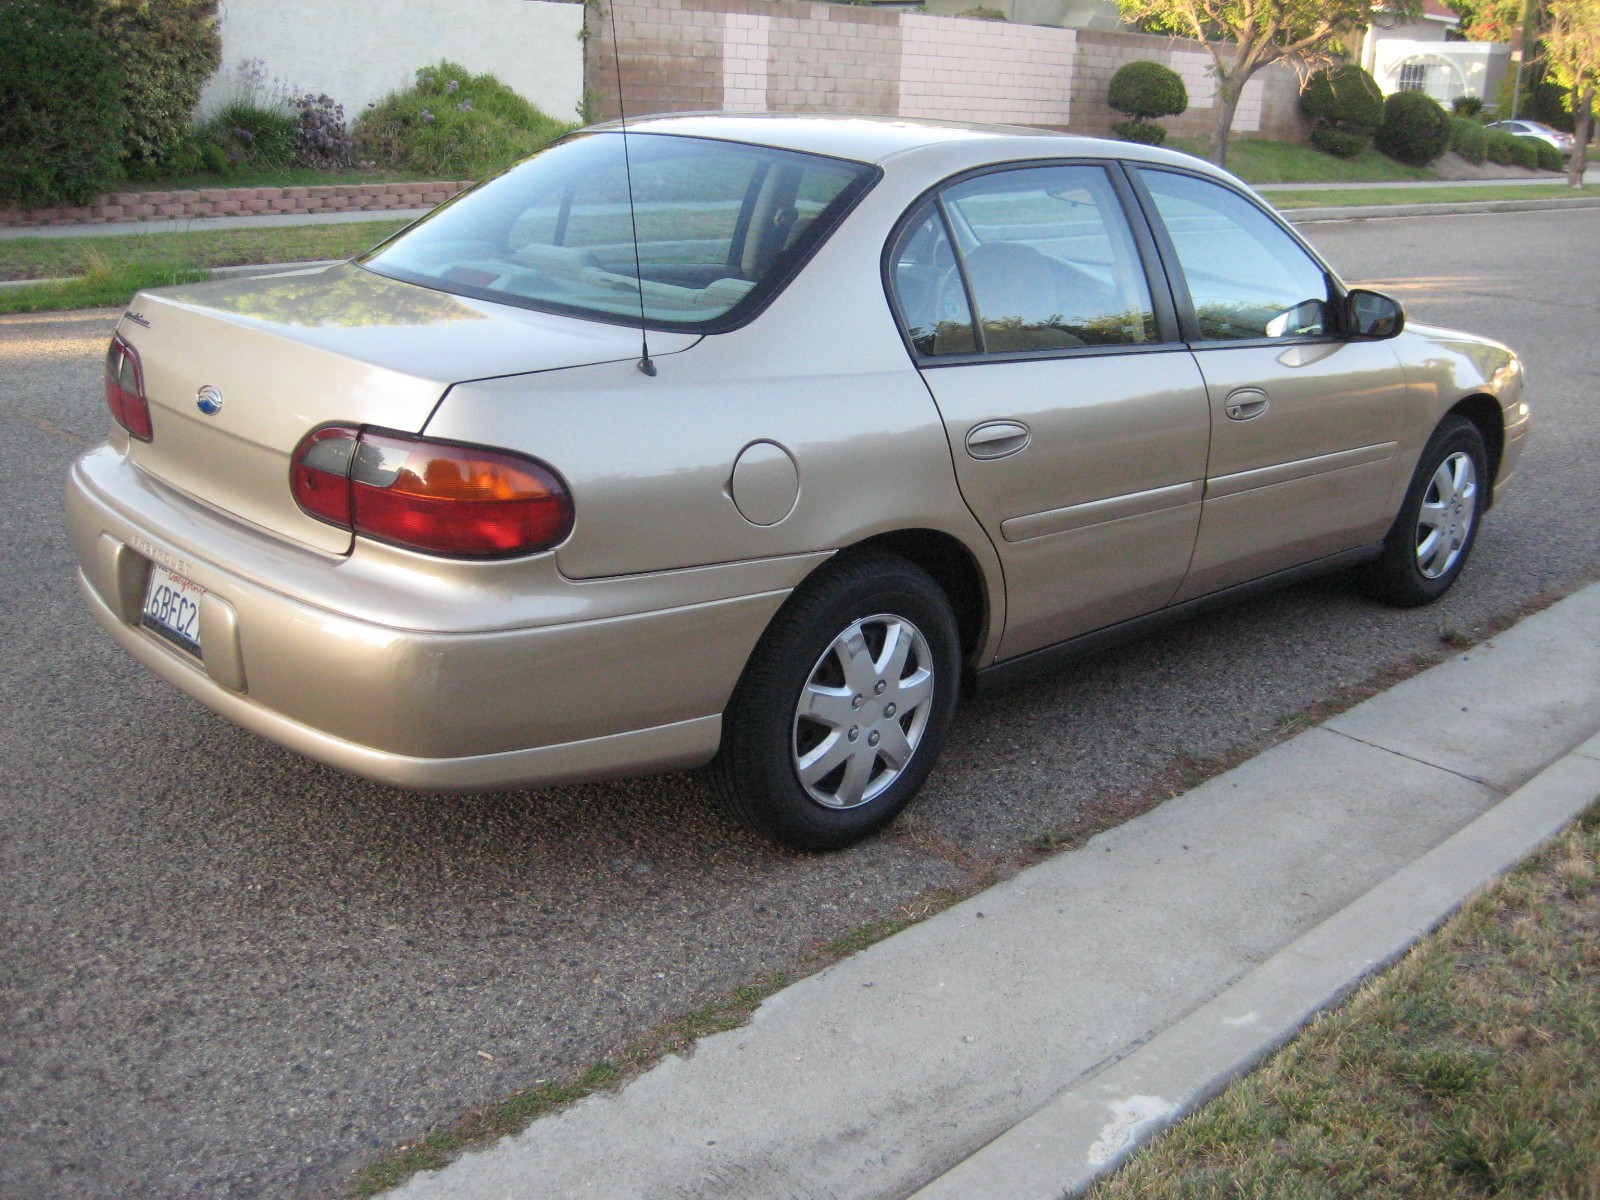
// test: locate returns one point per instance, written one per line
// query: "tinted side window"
(1247, 277)
(1050, 260)
(933, 302)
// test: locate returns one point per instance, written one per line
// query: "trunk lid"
(291, 352)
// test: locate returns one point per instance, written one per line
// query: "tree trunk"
(1225, 102)
(1584, 111)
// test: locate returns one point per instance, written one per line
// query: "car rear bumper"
(495, 698)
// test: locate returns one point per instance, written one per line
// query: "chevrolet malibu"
(754, 442)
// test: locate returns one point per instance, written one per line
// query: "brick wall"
(237, 202)
(786, 56)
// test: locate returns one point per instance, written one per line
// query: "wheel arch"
(1484, 412)
(957, 572)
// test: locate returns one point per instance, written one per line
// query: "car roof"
(878, 139)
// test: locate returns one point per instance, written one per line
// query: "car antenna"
(645, 365)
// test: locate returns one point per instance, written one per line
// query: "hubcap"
(863, 711)
(1448, 510)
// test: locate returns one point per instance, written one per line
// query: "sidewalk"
(1026, 1039)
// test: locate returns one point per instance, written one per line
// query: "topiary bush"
(1467, 106)
(453, 125)
(1146, 90)
(1469, 139)
(1415, 129)
(61, 110)
(1341, 143)
(167, 50)
(1343, 96)
(1146, 133)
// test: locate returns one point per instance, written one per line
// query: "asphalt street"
(227, 971)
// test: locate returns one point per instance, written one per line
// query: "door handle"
(996, 439)
(1246, 404)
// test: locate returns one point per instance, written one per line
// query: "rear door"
(1078, 424)
(1305, 425)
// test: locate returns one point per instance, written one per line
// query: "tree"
(1572, 54)
(1245, 35)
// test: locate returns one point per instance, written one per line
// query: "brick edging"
(234, 202)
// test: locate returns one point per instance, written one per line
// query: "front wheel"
(840, 713)
(1430, 540)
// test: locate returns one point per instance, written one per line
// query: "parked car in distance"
(1536, 129)
(866, 413)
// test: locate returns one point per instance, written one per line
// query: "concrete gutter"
(1027, 1039)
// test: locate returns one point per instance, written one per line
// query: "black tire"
(1411, 572)
(766, 741)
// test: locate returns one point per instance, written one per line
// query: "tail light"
(438, 497)
(125, 389)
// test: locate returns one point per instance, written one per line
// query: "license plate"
(172, 607)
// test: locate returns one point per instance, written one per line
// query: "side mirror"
(1373, 315)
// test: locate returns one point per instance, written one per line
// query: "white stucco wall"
(358, 51)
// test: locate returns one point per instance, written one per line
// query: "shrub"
(1344, 96)
(1145, 132)
(321, 139)
(1469, 139)
(1341, 143)
(1510, 150)
(61, 109)
(1548, 103)
(1415, 129)
(1467, 106)
(167, 50)
(252, 135)
(1545, 156)
(453, 125)
(983, 12)
(1145, 90)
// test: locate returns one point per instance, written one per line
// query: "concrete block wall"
(237, 202)
(788, 55)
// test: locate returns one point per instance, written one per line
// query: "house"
(1428, 54)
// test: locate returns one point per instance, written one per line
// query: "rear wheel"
(1431, 538)
(843, 706)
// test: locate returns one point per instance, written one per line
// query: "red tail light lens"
(125, 389)
(438, 497)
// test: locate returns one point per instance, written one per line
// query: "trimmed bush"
(1146, 133)
(1511, 151)
(167, 49)
(1344, 97)
(453, 125)
(1146, 90)
(1545, 156)
(1467, 106)
(61, 109)
(1469, 139)
(1341, 143)
(1415, 129)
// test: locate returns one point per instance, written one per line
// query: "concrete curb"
(1446, 208)
(1090, 1129)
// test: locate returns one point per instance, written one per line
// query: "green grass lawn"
(1467, 1071)
(105, 271)
(1378, 195)
(1256, 160)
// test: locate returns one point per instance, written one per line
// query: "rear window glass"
(721, 226)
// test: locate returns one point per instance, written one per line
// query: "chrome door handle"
(1246, 404)
(996, 439)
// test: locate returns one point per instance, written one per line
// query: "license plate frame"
(171, 608)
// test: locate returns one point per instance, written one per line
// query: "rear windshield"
(721, 226)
